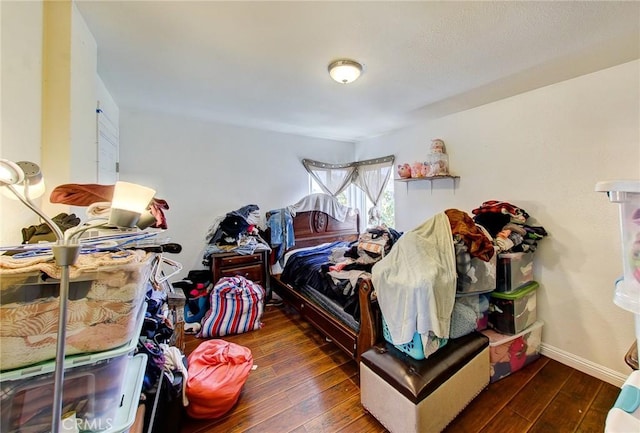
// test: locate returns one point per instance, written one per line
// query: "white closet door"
(108, 141)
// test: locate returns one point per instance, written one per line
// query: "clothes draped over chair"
(416, 283)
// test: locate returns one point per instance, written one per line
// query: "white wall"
(66, 110)
(20, 102)
(205, 170)
(544, 151)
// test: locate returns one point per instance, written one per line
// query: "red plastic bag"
(217, 372)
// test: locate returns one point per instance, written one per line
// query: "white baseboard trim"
(591, 368)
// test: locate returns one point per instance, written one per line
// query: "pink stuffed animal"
(404, 171)
(426, 170)
(416, 169)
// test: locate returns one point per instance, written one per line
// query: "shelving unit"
(428, 179)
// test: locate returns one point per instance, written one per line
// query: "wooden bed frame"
(314, 228)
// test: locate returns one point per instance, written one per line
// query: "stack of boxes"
(514, 331)
(102, 377)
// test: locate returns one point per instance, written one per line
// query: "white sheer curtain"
(371, 176)
(332, 178)
(372, 179)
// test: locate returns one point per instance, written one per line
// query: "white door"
(108, 141)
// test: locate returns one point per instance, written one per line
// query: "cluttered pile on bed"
(329, 273)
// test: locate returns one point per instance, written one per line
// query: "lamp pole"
(65, 255)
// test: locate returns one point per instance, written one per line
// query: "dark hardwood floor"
(306, 384)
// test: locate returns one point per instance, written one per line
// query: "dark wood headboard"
(316, 227)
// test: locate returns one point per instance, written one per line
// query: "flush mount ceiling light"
(345, 71)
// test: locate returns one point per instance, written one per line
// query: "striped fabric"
(236, 306)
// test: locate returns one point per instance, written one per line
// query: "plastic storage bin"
(126, 413)
(509, 353)
(627, 291)
(514, 271)
(105, 294)
(92, 389)
(511, 313)
(478, 277)
(483, 319)
(624, 416)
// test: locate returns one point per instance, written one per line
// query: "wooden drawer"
(252, 267)
(238, 260)
(254, 273)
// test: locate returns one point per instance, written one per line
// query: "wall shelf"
(428, 179)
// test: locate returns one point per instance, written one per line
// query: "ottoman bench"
(407, 395)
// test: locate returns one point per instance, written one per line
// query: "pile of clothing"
(236, 231)
(350, 263)
(280, 222)
(508, 226)
(98, 198)
(42, 232)
(333, 269)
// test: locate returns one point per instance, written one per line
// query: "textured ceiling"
(264, 64)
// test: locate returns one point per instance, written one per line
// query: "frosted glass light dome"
(345, 71)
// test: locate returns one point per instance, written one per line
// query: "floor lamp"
(129, 202)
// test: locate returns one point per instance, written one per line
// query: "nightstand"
(253, 267)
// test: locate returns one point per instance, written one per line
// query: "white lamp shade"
(35, 191)
(129, 201)
(131, 197)
(10, 173)
(345, 71)
(15, 174)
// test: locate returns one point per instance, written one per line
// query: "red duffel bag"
(217, 372)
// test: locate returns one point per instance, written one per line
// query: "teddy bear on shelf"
(404, 171)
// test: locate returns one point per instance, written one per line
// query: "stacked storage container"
(515, 332)
(625, 414)
(102, 378)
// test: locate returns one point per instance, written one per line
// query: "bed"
(354, 332)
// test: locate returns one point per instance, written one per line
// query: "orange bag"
(216, 373)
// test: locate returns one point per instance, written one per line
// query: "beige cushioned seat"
(407, 395)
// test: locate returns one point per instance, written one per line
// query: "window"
(348, 197)
(371, 177)
(386, 206)
(354, 197)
